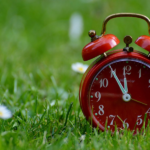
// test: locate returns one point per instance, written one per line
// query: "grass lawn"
(36, 80)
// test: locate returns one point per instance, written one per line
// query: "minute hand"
(116, 78)
(125, 81)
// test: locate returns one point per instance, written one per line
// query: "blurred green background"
(34, 35)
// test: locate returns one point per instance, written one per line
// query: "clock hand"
(138, 101)
(116, 78)
(125, 82)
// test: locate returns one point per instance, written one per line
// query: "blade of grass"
(69, 109)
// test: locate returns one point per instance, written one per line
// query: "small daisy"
(82, 138)
(4, 112)
(52, 103)
(78, 67)
(76, 26)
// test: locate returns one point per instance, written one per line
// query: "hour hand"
(118, 81)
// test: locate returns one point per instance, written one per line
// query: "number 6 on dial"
(125, 124)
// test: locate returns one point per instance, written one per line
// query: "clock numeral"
(101, 110)
(140, 73)
(148, 111)
(111, 75)
(149, 83)
(112, 121)
(127, 69)
(125, 124)
(104, 82)
(98, 95)
(139, 120)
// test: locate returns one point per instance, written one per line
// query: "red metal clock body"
(115, 89)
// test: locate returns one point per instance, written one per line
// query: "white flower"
(52, 103)
(76, 26)
(5, 113)
(78, 67)
(82, 138)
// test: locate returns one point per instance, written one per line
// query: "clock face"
(119, 93)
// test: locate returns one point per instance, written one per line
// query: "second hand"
(138, 101)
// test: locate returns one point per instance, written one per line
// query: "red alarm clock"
(114, 91)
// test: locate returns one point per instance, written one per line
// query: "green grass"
(35, 71)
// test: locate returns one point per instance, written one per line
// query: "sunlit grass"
(36, 80)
